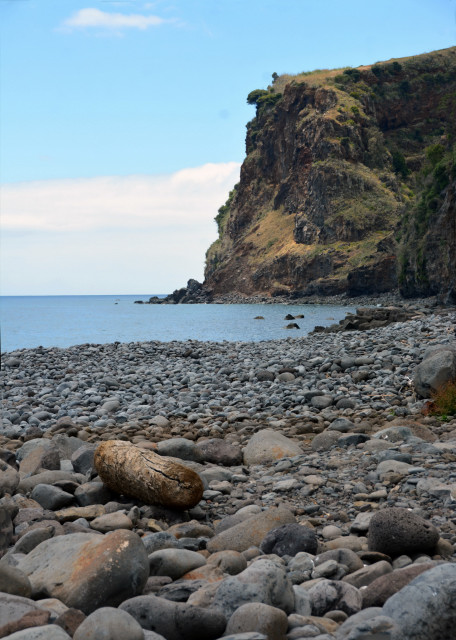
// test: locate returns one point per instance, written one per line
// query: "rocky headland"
(281, 490)
(348, 186)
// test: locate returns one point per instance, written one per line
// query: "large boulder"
(87, 571)
(155, 479)
(396, 531)
(437, 368)
(426, 607)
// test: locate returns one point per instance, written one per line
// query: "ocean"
(63, 321)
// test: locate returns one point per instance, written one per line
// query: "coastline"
(324, 433)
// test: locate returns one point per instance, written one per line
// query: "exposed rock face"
(348, 185)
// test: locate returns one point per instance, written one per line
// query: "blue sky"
(123, 123)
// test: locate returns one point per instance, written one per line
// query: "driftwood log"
(154, 479)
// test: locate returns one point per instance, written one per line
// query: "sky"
(122, 123)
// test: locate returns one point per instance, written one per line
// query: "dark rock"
(220, 452)
(329, 595)
(264, 375)
(290, 539)
(396, 531)
(82, 459)
(6, 529)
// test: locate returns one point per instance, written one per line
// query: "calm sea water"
(63, 321)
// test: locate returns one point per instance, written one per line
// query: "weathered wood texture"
(154, 479)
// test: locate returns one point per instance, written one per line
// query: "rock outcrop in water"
(348, 186)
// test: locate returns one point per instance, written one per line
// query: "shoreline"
(326, 432)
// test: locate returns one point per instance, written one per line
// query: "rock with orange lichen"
(87, 571)
(154, 479)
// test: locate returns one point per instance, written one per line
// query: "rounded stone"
(175, 620)
(268, 445)
(111, 522)
(396, 531)
(14, 581)
(180, 448)
(108, 623)
(426, 607)
(328, 595)
(325, 440)
(437, 368)
(174, 562)
(231, 562)
(290, 539)
(378, 591)
(257, 616)
(50, 497)
(219, 451)
(262, 581)
(88, 570)
(251, 531)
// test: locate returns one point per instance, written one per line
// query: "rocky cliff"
(348, 185)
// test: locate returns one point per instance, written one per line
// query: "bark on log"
(154, 479)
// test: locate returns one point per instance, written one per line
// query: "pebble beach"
(329, 496)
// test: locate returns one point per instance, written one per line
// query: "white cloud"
(134, 234)
(186, 197)
(95, 18)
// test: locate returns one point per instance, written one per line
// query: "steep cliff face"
(332, 185)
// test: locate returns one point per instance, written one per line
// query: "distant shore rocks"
(370, 318)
